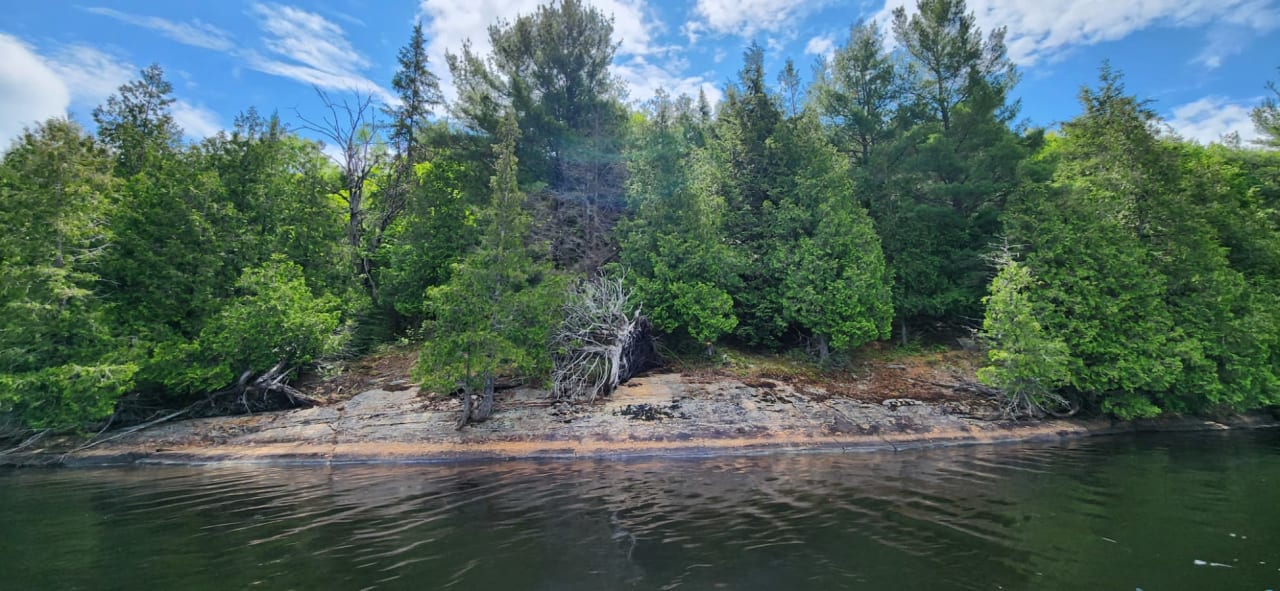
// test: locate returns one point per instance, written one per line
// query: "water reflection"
(1121, 513)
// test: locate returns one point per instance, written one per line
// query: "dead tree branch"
(353, 127)
(601, 342)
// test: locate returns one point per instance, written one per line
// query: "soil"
(371, 411)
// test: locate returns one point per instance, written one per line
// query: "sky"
(1203, 63)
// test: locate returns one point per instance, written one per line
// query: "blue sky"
(1203, 62)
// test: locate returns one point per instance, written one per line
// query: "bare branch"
(601, 342)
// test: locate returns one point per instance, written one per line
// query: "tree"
(952, 57)
(835, 285)
(551, 68)
(419, 91)
(856, 92)
(792, 98)
(137, 125)
(272, 325)
(674, 247)
(937, 180)
(496, 312)
(1089, 242)
(354, 129)
(1266, 117)
(1027, 365)
(58, 364)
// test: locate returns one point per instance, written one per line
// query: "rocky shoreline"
(664, 414)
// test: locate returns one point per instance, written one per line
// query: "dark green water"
(1104, 514)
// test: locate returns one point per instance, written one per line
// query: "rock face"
(657, 414)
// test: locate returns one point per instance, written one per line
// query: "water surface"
(1170, 512)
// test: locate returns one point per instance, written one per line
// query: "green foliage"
(674, 248)
(419, 91)
(137, 123)
(552, 69)
(834, 282)
(58, 368)
(496, 312)
(435, 230)
(135, 263)
(1266, 117)
(288, 324)
(1026, 363)
(1134, 241)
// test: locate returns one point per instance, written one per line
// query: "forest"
(539, 225)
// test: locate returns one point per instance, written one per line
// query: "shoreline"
(662, 415)
(304, 454)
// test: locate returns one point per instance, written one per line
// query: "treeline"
(1108, 264)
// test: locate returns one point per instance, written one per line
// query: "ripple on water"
(1118, 513)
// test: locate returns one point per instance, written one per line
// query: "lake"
(1192, 511)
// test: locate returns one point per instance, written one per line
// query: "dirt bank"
(689, 413)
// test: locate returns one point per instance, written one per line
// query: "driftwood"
(273, 381)
(601, 342)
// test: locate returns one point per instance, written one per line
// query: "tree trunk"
(466, 408)
(904, 330)
(484, 406)
(824, 347)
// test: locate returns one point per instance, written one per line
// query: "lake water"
(1199, 511)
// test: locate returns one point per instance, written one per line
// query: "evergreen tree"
(496, 312)
(857, 92)
(1266, 117)
(1027, 364)
(937, 187)
(59, 365)
(552, 69)
(137, 124)
(835, 286)
(419, 91)
(674, 248)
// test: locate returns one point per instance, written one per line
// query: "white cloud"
(748, 17)
(450, 23)
(643, 80)
(196, 121)
(91, 74)
(34, 87)
(1226, 40)
(197, 33)
(30, 90)
(823, 45)
(1212, 117)
(310, 49)
(1043, 30)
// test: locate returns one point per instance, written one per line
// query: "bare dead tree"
(353, 126)
(602, 341)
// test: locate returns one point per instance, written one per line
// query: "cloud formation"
(194, 33)
(1209, 119)
(90, 73)
(30, 90)
(748, 17)
(308, 48)
(822, 45)
(195, 120)
(34, 87)
(1040, 31)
